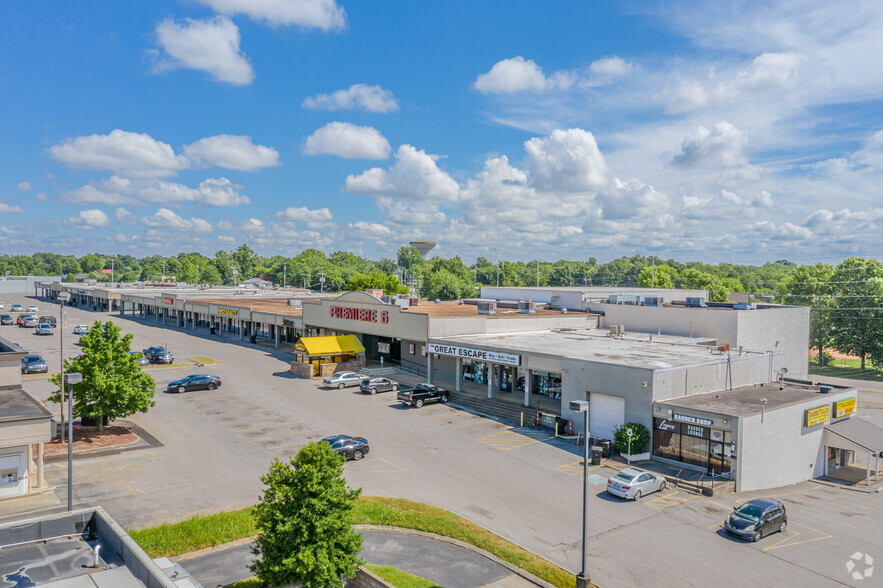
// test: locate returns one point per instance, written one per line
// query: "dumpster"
(597, 451)
(605, 447)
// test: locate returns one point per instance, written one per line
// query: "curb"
(511, 567)
(145, 440)
(845, 487)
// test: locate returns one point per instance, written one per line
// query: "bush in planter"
(640, 438)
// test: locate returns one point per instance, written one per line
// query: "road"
(520, 483)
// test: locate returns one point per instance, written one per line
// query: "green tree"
(113, 386)
(377, 280)
(304, 522)
(857, 318)
(658, 277)
(246, 259)
(810, 285)
(694, 278)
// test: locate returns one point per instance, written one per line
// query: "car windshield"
(750, 512)
(33, 359)
(621, 477)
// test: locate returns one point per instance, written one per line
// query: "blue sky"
(741, 131)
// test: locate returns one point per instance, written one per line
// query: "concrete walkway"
(445, 564)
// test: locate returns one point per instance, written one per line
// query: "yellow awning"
(340, 345)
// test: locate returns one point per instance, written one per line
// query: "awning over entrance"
(339, 345)
(859, 432)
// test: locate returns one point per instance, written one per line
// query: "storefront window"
(546, 384)
(693, 444)
(475, 371)
(667, 443)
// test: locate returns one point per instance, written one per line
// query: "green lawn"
(201, 531)
(401, 579)
(846, 369)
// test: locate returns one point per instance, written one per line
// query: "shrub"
(640, 438)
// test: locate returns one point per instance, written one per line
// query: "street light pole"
(583, 580)
(71, 379)
(62, 297)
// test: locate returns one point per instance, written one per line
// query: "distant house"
(258, 283)
(106, 271)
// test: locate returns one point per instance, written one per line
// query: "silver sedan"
(343, 380)
(632, 484)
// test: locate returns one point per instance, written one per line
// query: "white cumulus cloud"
(517, 74)
(232, 152)
(9, 208)
(165, 218)
(319, 14)
(89, 219)
(414, 176)
(370, 231)
(356, 97)
(139, 192)
(303, 214)
(24, 187)
(210, 45)
(566, 161)
(131, 154)
(347, 140)
(723, 145)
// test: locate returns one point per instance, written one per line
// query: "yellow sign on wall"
(817, 416)
(844, 407)
(228, 311)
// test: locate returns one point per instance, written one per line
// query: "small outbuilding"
(323, 356)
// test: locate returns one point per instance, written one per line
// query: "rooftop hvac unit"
(652, 301)
(695, 302)
(825, 388)
(614, 330)
(745, 306)
(487, 308)
(294, 303)
(555, 301)
(620, 329)
(528, 307)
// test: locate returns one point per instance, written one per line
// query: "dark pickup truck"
(421, 394)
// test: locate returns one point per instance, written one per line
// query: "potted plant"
(639, 441)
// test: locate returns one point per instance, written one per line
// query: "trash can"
(605, 447)
(597, 451)
(253, 339)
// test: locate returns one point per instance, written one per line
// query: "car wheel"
(340, 386)
(419, 404)
(212, 386)
(444, 399)
(637, 495)
(663, 486)
(182, 389)
(782, 526)
(373, 391)
(395, 388)
(758, 535)
(357, 455)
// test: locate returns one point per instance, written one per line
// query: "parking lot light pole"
(70, 380)
(583, 580)
(62, 298)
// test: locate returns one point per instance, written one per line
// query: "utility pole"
(111, 271)
(653, 273)
(284, 273)
(197, 273)
(498, 273)
(538, 273)
(164, 272)
(322, 282)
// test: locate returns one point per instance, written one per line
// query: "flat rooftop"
(456, 309)
(18, 405)
(596, 345)
(272, 305)
(745, 400)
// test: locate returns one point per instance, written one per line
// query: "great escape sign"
(476, 354)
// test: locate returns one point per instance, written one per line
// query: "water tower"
(423, 247)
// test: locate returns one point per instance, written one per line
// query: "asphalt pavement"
(445, 564)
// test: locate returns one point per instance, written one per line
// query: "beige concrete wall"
(469, 325)
(25, 432)
(400, 324)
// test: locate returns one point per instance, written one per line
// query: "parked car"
(44, 329)
(2, 306)
(755, 519)
(375, 385)
(29, 321)
(632, 484)
(33, 308)
(194, 382)
(6, 319)
(21, 319)
(158, 355)
(16, 308)
(421, 394)
(33, 364)
(81, 329)
(349, 447)
(142, 361)
(48, 319)
(342, 380)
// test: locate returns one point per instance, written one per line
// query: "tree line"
(435, 278)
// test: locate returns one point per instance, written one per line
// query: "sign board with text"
(476, 354)
(228, 311)
(844, 407)
(817, 416)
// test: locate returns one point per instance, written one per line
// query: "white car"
(631, 483)
(33, 308)
(2, 306)
(343, 380)
(81, 329)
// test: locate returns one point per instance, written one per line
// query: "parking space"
(521, 483)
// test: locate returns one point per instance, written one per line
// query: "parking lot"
(521, 483)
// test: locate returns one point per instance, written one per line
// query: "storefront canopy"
(340, 345)
(860, 432)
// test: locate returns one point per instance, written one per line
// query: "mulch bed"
(88, 439)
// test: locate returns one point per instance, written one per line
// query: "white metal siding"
(605, 413)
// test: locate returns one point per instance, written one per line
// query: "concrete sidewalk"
(441, 562)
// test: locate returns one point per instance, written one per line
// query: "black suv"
(158, 355)
(421, 394)
(48, 319)
(756, 519)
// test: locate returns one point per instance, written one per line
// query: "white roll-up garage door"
(605, 414)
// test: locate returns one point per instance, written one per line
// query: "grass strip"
(204, 360)
(200, 531)
(401, 579)
(249, 583)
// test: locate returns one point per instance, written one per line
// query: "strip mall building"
(694, 373)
